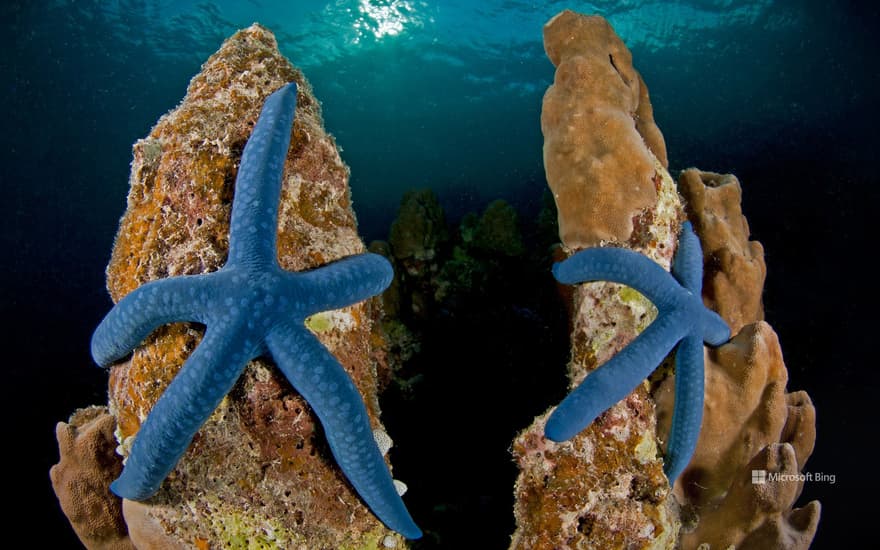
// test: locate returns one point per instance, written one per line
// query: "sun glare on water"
(383, 18)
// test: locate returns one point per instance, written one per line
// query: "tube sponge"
(599, 133)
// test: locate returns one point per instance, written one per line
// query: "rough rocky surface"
(259, 474)
(600, 140)
(604, 488)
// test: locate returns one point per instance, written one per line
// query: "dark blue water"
(447, 95)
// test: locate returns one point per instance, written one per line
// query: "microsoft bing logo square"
(759, 477)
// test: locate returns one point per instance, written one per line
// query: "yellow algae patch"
(326, 321)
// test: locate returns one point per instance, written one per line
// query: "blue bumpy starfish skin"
(252, 307)
(681, 317)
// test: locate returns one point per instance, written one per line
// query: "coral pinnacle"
(251, 307)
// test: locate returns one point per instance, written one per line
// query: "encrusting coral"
(603, 488)
(258, 473)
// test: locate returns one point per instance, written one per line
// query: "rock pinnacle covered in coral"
(258, 473)
(604, 488)
(252, 308)
(683, 323)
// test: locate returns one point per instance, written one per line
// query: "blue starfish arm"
(681, 316)
(623, 266)
(325, 385)
(194, 393)
(687, 266)
(346, 281)
(687, 414)
(254, 221)
(714, 328)
(145, 308)
(614, 380)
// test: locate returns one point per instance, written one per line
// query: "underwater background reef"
(436, 109)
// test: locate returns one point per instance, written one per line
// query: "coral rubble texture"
(259, 473)
(605, 487)
(600, 139)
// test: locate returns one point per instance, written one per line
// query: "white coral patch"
(400, 487)
(383, 441)
(646, 449)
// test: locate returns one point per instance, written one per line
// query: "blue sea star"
(681, 317)
(251, 307)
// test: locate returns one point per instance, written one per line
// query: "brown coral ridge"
(81, 479)
(747, 417)
(259, 472)
(599, 133)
